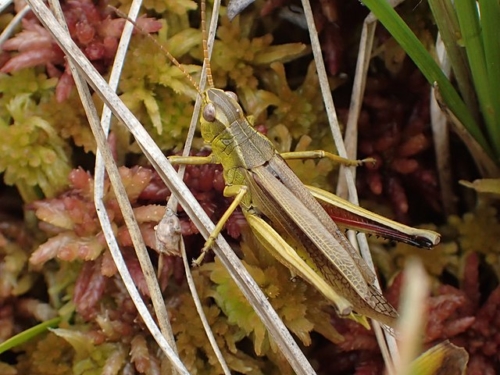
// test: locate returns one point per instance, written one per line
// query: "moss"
(35, 156)
(38, 160)
(234, 322)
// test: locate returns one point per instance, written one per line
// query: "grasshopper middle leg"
(320, 154)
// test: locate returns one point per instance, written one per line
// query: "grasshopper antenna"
(206, 60)
(167, 53)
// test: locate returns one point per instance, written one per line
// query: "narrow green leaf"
(28, 334)
(468, 17)
(447, 22)
(489, 19)
(424, 61)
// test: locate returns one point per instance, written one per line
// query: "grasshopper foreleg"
(238, 191)
(191, 160)
(320, 154)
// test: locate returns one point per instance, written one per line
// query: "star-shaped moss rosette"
(239, 56)
(194, 348)
(301, 109)
(479, 231)
(298, 304)
(35, 158)
(158, 92)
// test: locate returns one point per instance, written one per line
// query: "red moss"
(358, 353)
(143, 360)
(457, 314)
(91, 27)
(482, 338)
(443, 321)
(89, 289)
(453, 313)
(394, 130)
(72, 221)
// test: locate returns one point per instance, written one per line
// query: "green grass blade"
(490, 17)
(429, 68)
(468, 17)
(447, 22)
(28, 334)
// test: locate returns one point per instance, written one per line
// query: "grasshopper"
(288, 218)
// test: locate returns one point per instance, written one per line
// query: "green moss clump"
(35, 156)
(239, 332)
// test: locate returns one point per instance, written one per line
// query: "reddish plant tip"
(90, 26)
(413, 145)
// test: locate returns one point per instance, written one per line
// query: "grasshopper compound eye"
(209, 112)
(232, 95)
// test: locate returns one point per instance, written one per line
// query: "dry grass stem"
(440, 135)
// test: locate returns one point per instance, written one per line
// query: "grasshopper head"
(221, 110)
